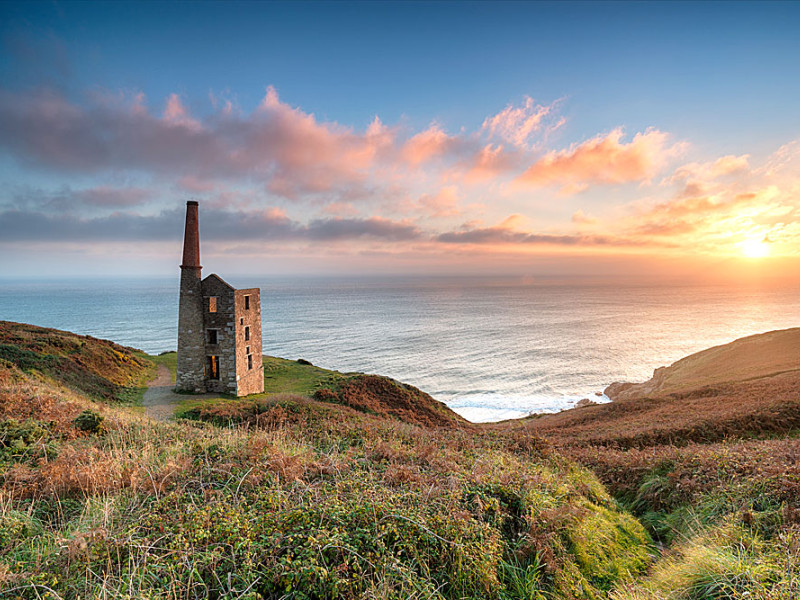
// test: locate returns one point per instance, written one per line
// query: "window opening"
(212, 304)
(212, 336)
(247, 302)
(213, 367)
(249, 362)
(246, 334)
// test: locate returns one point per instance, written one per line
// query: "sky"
(647, 141)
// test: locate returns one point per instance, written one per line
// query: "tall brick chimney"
(191, 237)
(191, 332)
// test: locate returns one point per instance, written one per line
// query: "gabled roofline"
(220, 279)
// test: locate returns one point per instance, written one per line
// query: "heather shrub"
(89, 421)
(26, 441)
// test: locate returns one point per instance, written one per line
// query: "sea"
(491, 349)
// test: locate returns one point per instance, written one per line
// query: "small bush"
(89, 421)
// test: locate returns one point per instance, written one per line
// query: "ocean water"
(489, 349)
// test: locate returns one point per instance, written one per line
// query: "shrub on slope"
(365, 508)
(379, 395)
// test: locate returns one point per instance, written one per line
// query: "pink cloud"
(276, 144)
(270, 224)
(517, 124)
(581, 218)
(197, 185)
(307, 156)
(139, 104)
(689, 214)
(340, 209)
(730, 164)
(275, 215)
(379, 139)
(176, 114)
(602, 160)
(694, 206)
(509, 232)
(490, 161)
(432, 142)
(443, 204)
(223, 104)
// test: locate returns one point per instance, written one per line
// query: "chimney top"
(191, 237)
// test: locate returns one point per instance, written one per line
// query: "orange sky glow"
(524, 175)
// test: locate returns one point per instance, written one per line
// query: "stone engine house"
(219, 327)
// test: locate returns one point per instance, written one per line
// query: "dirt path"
(159, 400)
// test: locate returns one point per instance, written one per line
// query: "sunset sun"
(755, 248)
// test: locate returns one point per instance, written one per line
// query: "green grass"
(169, 360)
(726, 562)
(100, 369)
(283, 376)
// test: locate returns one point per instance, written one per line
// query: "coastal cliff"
(748, 358)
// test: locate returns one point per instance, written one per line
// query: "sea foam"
(485, 408)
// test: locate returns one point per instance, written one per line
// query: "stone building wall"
(223, 322)
(249, 369)
(191, 362)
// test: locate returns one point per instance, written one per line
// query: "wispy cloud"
(725, 165)
(518, 125)
(581, 218)
(280, 174)
(218, 225)
(508, 233)
(110, 197)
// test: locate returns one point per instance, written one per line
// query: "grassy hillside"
(745, 359)
(372, 394)
(295, 498)
(767, 406)
(100, 369)
(712, 471)
(334, 485)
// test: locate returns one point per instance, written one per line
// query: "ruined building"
(219, 328)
